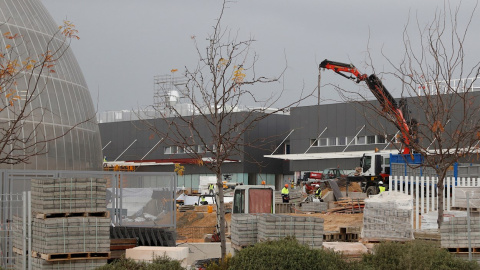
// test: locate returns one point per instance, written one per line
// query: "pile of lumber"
(348, 206)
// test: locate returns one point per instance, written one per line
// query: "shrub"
(287, 254)
(413, 255)
(159, 263)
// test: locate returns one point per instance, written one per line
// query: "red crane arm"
(388, 103)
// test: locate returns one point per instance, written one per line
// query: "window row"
(189, 149)
(352, 140)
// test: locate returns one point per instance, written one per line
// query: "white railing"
(423, 190)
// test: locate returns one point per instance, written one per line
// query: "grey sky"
(125, 43)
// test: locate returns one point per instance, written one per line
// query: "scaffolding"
(168, 90)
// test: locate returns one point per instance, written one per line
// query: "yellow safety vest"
(285, 191)
(382, 189)
(318, 193)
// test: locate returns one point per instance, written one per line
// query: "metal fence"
(424, 191)
(133, 199)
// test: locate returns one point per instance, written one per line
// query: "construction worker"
(318, 193)
(203, 201)
(381, 187)
(211, 189)
(285, 196)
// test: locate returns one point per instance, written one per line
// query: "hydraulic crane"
(397, 112)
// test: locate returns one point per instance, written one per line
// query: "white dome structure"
(59, 130)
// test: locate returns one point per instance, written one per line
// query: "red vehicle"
(311, 179)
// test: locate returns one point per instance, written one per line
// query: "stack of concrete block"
(68, 195)
(243, 229)
(461, 197)
(307, 230)
(317, 207)
(388, 215)
(39, 264)
(71, 225)
(73, 234)
(454, 232)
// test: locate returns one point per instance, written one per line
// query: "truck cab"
(248, 199)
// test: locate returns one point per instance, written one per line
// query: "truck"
(375, 168)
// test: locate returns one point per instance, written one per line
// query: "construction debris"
(388, 216)
(349, 206)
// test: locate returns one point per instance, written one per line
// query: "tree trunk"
(221, 215)
(440, 188)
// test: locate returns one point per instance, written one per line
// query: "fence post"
(401, 183)
(417, 191)
(449, 184)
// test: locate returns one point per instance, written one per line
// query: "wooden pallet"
(380, 240)
(472, 209)
(70, 256)
(122, 244)
(340, 237)
(475, 250)
(102, 214)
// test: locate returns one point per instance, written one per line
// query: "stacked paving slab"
(317, 207)
(307, 230)
(454, 232)
(243, 229)
(388, 216)
(461, 197)
(71, 225)
(248, 229)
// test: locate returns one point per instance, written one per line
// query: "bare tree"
(216, 88)
(438, 81)
(24, 75)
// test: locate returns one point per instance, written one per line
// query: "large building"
(131, 143)
(59, 130)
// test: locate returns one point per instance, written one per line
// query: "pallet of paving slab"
(238, 247)
(380, 240)
(472, 209)
(122, 244)
(71, 256)
(101, 214)
(475, 250)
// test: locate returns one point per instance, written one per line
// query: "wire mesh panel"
(13, 231)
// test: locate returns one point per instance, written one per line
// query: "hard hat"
(317, 185)
(380, 183)
(263, 183)
(286, 185)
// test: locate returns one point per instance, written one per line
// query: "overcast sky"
(125, 43)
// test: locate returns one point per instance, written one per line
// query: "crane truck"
(376, 167)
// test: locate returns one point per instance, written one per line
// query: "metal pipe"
(316, 140)
(353, 138)
(283, 141)
(125, 150)
(106, 145)
(161, 140)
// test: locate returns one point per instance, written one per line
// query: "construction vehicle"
(376, 167)
(248, 199)
(311, 179)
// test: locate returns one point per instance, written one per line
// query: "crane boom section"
(388, 103)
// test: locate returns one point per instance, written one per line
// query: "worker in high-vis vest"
(285, 196)
(381, 187)
(318, 193)
(211, 189)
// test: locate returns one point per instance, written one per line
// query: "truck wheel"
(371, 191)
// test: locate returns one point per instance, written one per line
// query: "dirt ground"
(192, 226)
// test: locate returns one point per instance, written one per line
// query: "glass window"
(371, 139)
(350, 140)
(313, 142)
(180, 150)
(360, 139)
(189, 149)
(323, 142)
(239, 201)
(201, 149)
(380, 138)
(332, 141)
(167, 150)
(341, 141)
